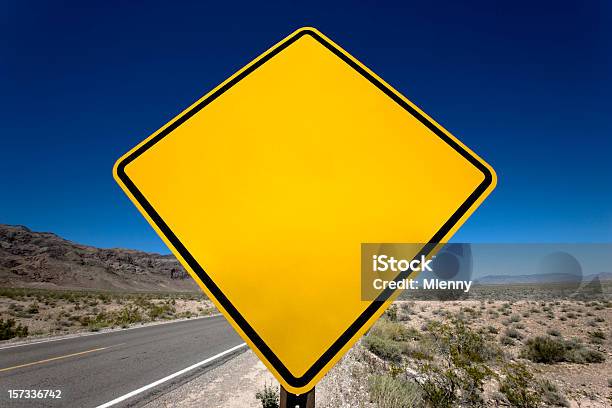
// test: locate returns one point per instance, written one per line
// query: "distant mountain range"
(540, 278)
(44, 260)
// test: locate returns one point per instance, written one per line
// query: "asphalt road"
(95, 369)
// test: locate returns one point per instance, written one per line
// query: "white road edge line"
(170, 377)
(86, 334)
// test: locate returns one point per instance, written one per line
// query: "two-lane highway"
(120, 367)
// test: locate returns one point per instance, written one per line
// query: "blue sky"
(526, 85)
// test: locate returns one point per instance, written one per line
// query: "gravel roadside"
(234, 384)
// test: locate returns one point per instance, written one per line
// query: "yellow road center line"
(56, 358)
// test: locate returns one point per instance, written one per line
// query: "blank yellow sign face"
(265, 188)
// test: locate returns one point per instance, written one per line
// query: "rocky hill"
(44, 260)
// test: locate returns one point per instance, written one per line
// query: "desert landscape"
(519, 352)
(52, 286)
(524, 352)
(506, 344)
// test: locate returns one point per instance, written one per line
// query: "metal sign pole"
(289, 400)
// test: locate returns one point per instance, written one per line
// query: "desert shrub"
(32, 308)
(268, 396)
(22, 314)
(506, 341)
(418, 352)
(597, 336)
(412, 333)
(449, 339)
(515, 386)
(513, 333)
(8, 329)
(464, 353)
(492, 330)
(84, 320)
(392, 392)
(553, 332)
(407, 307)
(63, 324)
(439, 390)
(163, 310)
(551, 396)
(128, 315)
(391, 313)
(469, 312)
(383, 347)
(544, 350)
(583, 355)
(449, 387)
(550, 350)
(392, 331)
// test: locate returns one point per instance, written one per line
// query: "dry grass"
(47, 312)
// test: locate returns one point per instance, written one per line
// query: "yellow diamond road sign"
(266, 187)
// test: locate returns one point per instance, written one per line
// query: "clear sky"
(526, 85)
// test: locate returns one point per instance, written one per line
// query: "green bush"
(268, 396)
(384, 348)
(32, 308)
(550, 350)
(583, 355)
(160, 311)
(8, 329)
(418, 352)
(128, 315)
(551, 395)
(392, 331)
(389, 392)
(544, 350)
(391, 313)
(515, 386)
(464, 354)
(597, 336)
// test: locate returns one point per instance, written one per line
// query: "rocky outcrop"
(45, 260)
